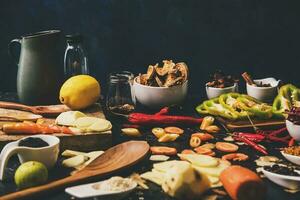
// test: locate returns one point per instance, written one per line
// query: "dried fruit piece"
(226, 147)
(212, 129)
(235, 157)
(195, 142)
(203, 151)
(203, 136)
(188, 151)
(208, 146)
(207, 121)
(174, 130)
(161, 150)
(158, 132)
(168, 138)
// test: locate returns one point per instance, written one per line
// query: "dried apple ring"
(195, 142)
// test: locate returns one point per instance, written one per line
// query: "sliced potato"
(211, 171)
(75, 161)
(71, 153)
(92, 156)
(84, 122)
(100, 126)
(68, 118)
(133, 132)
(200, 160)
(165, 166)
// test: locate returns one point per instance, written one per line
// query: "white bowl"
(293, 129)
(87, 191)
(158, 97)
(213, 92)
(47, 155)
(291, 158)
(264, 94)
(290, 182)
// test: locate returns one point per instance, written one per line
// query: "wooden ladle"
(51, 110)
(114, 159)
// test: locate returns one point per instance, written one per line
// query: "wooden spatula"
(114, 159)
(51, 110)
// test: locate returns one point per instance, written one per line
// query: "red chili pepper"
(252, 144)
(291, 142)
(146, 119)
(251, 136)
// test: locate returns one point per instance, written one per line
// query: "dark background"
(259, 36)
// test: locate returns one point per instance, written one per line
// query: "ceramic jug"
(41, 67)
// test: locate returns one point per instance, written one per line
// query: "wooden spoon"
(51, 110)
(114, 159)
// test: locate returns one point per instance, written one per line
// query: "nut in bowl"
(162, 86)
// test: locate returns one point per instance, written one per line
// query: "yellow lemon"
(79, 92)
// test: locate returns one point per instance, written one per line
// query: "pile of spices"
(33, 142)
(283, 170)
(294, 115)
(294, 150)
(220, 80)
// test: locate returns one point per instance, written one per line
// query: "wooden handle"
(39, 190)
(17, 106)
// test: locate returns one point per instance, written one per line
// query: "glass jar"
(75, 61)
(120, 98)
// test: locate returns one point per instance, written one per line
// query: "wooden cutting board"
(245, 124)
(87, 141)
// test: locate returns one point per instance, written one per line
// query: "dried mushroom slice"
(143, 79)
(170, 80)
(177, 81)
(158, 81)
(168, 65)
(184, 71)
(151, 71)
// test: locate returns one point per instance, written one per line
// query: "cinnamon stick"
(248, 78)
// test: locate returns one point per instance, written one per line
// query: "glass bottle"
(75, 60)
(120, 98)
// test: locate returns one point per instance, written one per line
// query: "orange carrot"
(33, 128)
(242, 183)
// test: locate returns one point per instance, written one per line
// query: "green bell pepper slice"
(214, 107)
(201, 110)
(256, 108)
(230, 101)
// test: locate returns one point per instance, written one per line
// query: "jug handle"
(9, 150)
(10, 49)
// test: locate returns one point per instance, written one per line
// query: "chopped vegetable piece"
(226, 147)
(208, 146)
(161, 150)
(174, 130)
(212, 129)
